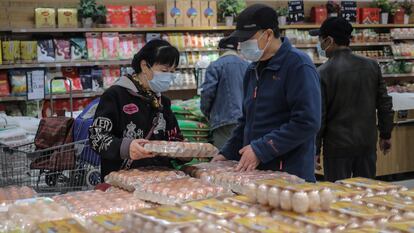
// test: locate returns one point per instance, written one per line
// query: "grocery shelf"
(358, 44)
(198, 49)
(404, 58)
(397, 75)
(403, 38)
(12, 98)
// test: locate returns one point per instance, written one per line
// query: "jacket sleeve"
(101, 133)
(304, 99)
(385, 113)
(209, 89)
(324, 101)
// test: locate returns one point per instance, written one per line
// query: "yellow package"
(169, 214)
(403, 227)
(11, 51)
(266, 225)
(319, 219)
(407, 193)
(61, 226)
(341, 191)
(106, 223)
(45, 17)
(369, 184)
(359, 211)
(28, 51)
(67, 18)
(217, 208)
(365, 230)
(241, 200)
(180, 41)
(391, 202)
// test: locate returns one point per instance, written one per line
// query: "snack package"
(139, 42)
(259, 224)
(181, 149)
(129, 179)
(126, 46)
(12, 193)
(86, 78)
(45, 51)
(28, 51)
(45, 17)
(106, 223)
(62, 50)
(73, 74)
(372, 186)
(78, 49)
(343, 193)
(400, 207)
(4, 85)
(205, 170)
(110, 76)
(67, 18)
(64, 226)
(290, 194)
(179, 191)
(97, 81)
(95, 46)
(11, 51)
(143, 16)
(18, 82)
(110, 46)
(58, 86)
(119, 16)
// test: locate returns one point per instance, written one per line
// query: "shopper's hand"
(248, 161)
(137, 151)
(318, 162)
(385, 145)
(219, 157)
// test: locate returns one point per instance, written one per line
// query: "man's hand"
(219, 157)
(137, 151)
(318, 162)
(385, 145)
(248, 161)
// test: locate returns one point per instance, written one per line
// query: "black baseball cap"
(228, 43)
(336, 27)
(252, 19)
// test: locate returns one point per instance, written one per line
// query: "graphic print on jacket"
(99, 139)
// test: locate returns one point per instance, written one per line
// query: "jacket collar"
(277, 60)
(230, 52)
(126, 83)
(340, 51)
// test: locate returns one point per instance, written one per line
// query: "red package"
(64, 104)
(62, 50)
(110, 43)
(144, 16)
(95, 46)
(126, 46)
(73, 74)
(118, 16)
(369, 15)
(139, 42)
(398, 17)
(110, 75)
(4, 84)
(319, 14)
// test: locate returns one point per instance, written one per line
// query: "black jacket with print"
(123, 115)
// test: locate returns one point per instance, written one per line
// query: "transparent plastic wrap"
(168, 219)
(290, 195)
(182, 149)
(12, 193)
(372, 186)
(129, 179)
(259, 224)
(61, 226)
(179, 191)
(244, 202)
(110, 223)
(205, 171)
(359, 215)
(343, 193)
(400, 227)
(400, 207)
(91, 203)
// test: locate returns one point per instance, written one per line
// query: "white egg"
(327, 197)
(324, 231)
(353, 225)
(274, 197)
(382, 222)
(190, 229)
(251, 192)
(262, 194)
(339, 228)
(300, 202)
(368, 223)
(314, 201)
(310, 228)
(408, 215)
(298, 224)
(286, 200)
(209, 228)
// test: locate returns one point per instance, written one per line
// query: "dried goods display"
(372, 186)
(181, 149)
(12, 193)
(179, 191)
(129, 179)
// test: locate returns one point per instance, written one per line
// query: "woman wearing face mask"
(133, 111)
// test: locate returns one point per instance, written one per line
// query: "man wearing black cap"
(222, 92)
(353, 96)
(282, 100)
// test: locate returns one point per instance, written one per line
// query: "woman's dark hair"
(156, 52)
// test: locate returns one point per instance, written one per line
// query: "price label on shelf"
(296, 11)
(349, 10)
(35, 85)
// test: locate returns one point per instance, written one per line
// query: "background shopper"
(353, 96)
(222, 92)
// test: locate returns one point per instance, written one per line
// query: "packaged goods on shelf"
(11, 51)
(110, 43)
(118, 16)
(396, 67)
(28, 51)
(290, 194)
(95, 46)
(126, 46)
(205, 170)
(78, 49)
(139, 42)
(62, 50)
(400, 207)
(97, 81)
(73, 74)
(91, 203)
(64, 225)
(45, 17)
(110, 76)
(167, 219)
(18, 82)
(403, 87)
(106, 223)
(403, 50)
(58, 85)
(300, 37)
(402, 33)
(259, 224)
(12, 193)
(144, 16)
(130, 179)
(369, 35)
(181, 149)
(343, 193)
(45, 51)
(179, 191)
(67, 17)
(372, 186)
(4, 83)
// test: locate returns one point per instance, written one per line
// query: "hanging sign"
(296, 11)
(349, 11)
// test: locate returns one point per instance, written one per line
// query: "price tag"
(349, 10)
(296, 11)
(35, 85)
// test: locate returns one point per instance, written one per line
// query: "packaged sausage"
(398, 206)
(129, 179)
(359, 215)
(259, 224)
(343, 193)
(179, 191)
(205, 171)
(64, 226)
(372, 186)
(181, 149)
(110, 223)
(12, 193)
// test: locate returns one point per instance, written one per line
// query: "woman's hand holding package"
(137, 151)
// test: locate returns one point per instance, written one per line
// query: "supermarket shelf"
(385, 60)
(404, 58)
(198, 49)
(120, 29)
(403, 38)
(352, 44)
(75, 64)
(12, 98)
(398, 75)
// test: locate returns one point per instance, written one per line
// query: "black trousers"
(338, 168)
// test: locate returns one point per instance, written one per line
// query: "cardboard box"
(369, 15)
(174, 13)
(209, 13)
(319, 14)
(67, 18)
(192, 16)
(118, 16)
(28, 51)
(144, 16)
(45, 17)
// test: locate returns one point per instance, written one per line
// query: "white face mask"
(251, 51)
(322, 52)
(161, 81)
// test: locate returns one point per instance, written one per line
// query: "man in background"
(222, 92)
(354, 95)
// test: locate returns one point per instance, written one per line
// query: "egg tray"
(181, 149)
(205, 171)
(372, 186)
(12, 193)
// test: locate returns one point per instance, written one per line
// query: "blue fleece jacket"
(282, 119)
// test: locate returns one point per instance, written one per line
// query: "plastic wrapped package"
(179, 191)
(129, 179)
(168, 219)
(259, 224)
(181, 149)
(408, 194)
(343, 193)
(359, 215)
(205, 170)
(245, 203)
(401, 227)
(12, 193)
(372, 186)
(64, 226)
(92, 203)
(110, 223)
(290, 195)
(400, 207)
(367, 230)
